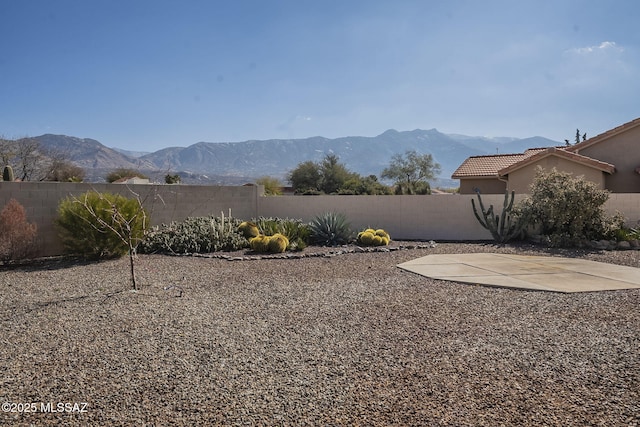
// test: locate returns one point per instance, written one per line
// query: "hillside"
(205, 162)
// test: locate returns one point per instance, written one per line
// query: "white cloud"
(605, 46)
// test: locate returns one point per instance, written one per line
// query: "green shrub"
(330, 229)
(7, 174)
(568, 210)
(94, 224)
(195, 235)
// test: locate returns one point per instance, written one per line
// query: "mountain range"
(241, 162)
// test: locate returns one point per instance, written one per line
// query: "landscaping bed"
(340, 336)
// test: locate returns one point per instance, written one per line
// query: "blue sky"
(149, 74)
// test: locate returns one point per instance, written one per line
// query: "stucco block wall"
(166, 203)
(437, 217)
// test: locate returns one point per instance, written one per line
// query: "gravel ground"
(335, 340)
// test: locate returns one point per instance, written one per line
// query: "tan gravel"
(338, 340)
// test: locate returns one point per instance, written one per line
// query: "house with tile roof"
(611, 160)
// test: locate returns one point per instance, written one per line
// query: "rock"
(624, 245)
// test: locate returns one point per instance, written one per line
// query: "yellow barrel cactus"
(277, 243)
(371, 237)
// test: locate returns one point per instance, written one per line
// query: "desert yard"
(330, 340)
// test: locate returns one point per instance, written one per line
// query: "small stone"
(624, 245)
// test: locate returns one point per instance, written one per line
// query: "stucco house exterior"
(611, 160)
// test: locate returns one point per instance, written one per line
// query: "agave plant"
(330, 229)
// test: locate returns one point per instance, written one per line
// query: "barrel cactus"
(371, 237)
(278, 243)
(248, 229)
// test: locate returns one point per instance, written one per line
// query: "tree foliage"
(333, 174)
(120, 173)
(567, 210)
(64, 171)
(332, 177)
(306, 177)
(412, 172)
(102, 225)
(171, 179)
(272, 186)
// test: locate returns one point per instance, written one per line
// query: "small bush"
(93, 225)
(195, 235)
(330, 229)
(17, 236)
(568, 210)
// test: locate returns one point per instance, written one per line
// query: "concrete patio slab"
(541, 273)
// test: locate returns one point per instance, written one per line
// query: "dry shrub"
(17, 236)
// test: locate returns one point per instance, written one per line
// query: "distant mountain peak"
(276, 157)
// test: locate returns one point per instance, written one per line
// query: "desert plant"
(96, 225)
(330, 229)
(195, 235)
(7, 174)
(248, 229)
(92, 224)
(17, 236)
(296, 232)
(272, 186)
(505, 226)
(276, 243)
(568, 210)
(371, 237)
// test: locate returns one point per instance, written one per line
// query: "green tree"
(272, 186)
(305, 177)
(359, 185)
(172, 179)
(334, 174)
(412, 172)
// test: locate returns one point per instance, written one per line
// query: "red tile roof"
(490, 165)
(559, 152)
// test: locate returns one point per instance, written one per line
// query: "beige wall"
(165, 203)
(520, 180)
(623, 151)
(485, 185)
(437, 217)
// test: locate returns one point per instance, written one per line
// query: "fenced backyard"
(434, 217)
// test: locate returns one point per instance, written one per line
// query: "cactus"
(504, 227)
(278, 243)
(7, 174)
(371, 237)
(248, 229)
